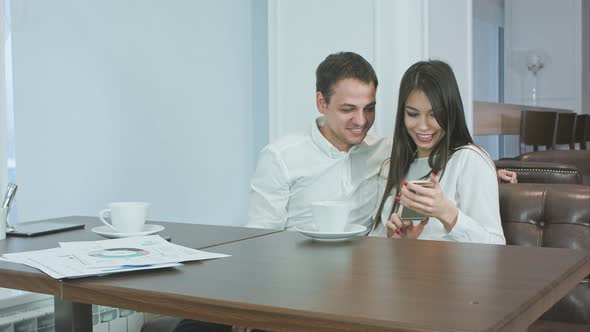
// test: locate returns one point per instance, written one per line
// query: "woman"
(432, 142)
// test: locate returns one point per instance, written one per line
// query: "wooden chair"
(566, 129)
(582, 130)
(537, 129)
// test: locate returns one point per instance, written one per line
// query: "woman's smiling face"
(421, 123)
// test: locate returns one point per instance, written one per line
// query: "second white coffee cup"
(330, 216)
(126, 217)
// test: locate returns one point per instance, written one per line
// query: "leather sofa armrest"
(556, 216)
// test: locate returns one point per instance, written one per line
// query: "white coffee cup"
(3, 212)
(126, 217)
(330, 216)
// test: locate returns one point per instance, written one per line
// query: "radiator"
(30, 312)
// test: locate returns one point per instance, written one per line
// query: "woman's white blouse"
(470, 182)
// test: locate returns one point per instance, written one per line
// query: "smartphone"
(27, 229)
(423, 183)
(409, 214)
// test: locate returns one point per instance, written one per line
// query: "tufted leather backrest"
(541, 172)
(578, 158)
(551, 215)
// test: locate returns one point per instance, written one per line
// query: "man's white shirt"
(297, 170)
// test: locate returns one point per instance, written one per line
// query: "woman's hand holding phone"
(430, 202)
(398, 229)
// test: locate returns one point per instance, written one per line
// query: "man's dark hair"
(339, 66)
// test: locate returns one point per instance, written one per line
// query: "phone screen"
(409, 214)
(423, 183)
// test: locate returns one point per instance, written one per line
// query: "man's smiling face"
(349, 114)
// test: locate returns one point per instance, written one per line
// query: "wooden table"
(284, 281)
(25, 278)
(502, 119)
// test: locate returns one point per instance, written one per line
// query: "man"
(335, 159)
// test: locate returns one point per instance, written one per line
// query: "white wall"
(400, 34)
(585, 57)
(553, 29)
(391, 35)
(3, 99)
(124, 100)
(301, 34)
(260, 74)
(135, 100)
(488, 16)
(450, 39)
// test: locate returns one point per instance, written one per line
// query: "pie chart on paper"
(119, 253)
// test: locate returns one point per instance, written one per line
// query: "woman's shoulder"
(473, 153)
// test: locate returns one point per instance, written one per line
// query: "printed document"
(87, 258)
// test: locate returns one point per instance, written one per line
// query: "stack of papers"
(89, 258)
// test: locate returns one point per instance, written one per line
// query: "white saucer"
(107, 232)
(312, 231)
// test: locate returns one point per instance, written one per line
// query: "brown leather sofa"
(567, 159)
(533, 214)
(551, 215)
(161, 324)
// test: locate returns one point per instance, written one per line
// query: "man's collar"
(324, 145)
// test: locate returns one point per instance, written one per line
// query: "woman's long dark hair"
(437, 81)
